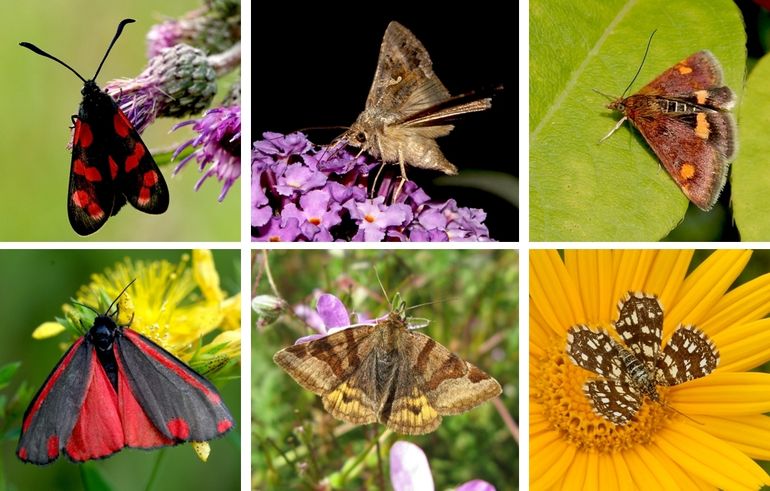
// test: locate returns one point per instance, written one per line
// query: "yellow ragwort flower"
(705, 432)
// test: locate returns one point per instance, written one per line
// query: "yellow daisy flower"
(174, 305)
(704, 433)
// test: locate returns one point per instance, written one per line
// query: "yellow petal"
(705, 286)
(743, 347)
(231, 308)
(746, 303)
(47, 330)
(206, 275)
(554, 457)
(553, 291)
(749, 433)
(697, 452)
(724, 393)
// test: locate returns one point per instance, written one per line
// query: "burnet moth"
(110, 163)
(115, 388)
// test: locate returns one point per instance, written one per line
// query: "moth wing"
(92, 196)
(336, 367)
(138, 176)
(698, 161)
(53, 412)
(181, 404)
(696, 80)
(404, 81)
(440, 380)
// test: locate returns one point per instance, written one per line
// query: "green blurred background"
(33, 287)
(41, 95)
(297, 445)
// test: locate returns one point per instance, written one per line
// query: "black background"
(313, 65)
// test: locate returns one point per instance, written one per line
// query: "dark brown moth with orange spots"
(110, 163)
(682, 115)
(386, 372)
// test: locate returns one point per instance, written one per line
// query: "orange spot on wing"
(687, 171)
(684, 69)
(702, 126)
(701, 96)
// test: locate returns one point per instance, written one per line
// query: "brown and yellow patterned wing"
(431, 382)
(331, 367)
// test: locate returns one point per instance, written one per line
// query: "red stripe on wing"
(151, 350)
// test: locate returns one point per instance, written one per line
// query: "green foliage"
(616, 191)
(750, 179)
(472, 304)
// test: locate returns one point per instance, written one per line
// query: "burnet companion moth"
(682, 114)
(110, 163)
(115, 388)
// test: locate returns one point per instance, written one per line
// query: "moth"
(385, 372)
(115, 388)
(683, 115)
(110, 165)
(630, 373)
(408, 107)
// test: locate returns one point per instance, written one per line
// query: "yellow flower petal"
(47, 330)
(698, 453)
(748, 302)
(743, 347)
(231, 308)
(724, 393)
(749, 433)
(206, 275)
(554, 458)
(704, 287)
(553, 291)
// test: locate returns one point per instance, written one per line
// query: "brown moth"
(385, 372)
(407, 107)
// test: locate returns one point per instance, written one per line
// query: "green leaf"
(7, 372)
(92, 478)
(616, 191)
(750, 178)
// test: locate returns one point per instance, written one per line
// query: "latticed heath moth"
(631, 371)
(682, 114)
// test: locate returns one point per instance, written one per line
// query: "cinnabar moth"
(115, 388)
(110, 163)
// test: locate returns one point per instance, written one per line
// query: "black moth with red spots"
(114, 388)
(110, 163)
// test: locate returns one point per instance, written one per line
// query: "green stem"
(155, 469)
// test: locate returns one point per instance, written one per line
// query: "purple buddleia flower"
(217, 145)
(410, 471)
(326, 190)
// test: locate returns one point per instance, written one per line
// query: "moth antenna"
(442, 300)
(390, 304)
(605, 95)
(117, 35)
(40, 52)
(647, 50)
(124, 289)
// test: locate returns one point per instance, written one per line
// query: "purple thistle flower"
(326, 190)
(410, 471)
(218, 143)
(177, 82)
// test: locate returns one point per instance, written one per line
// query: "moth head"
(102, 334)
(356, 136)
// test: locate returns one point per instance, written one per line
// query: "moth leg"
(613, 130)
(403, 175)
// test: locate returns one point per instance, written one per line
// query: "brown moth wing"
(404, 82)
(698, 71)
(323, 364)
(433, 382)
(705, 142)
